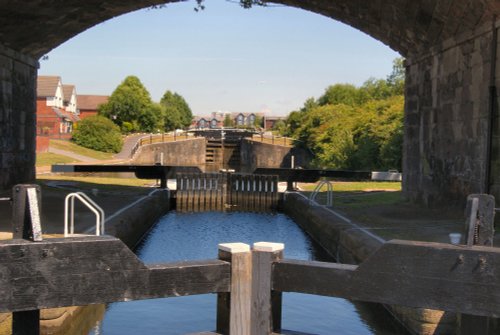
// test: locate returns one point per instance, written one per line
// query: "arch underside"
(407, 26)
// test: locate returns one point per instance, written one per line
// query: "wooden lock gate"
(197, 192)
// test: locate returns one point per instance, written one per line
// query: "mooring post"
(26, 200)
(266, 303)
(480, 230)
(233, 309)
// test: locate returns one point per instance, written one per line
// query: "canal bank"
(352, 243)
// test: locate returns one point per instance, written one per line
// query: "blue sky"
(222, 58)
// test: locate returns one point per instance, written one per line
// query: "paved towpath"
(128, 145)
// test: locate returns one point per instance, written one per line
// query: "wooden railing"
(273, 139)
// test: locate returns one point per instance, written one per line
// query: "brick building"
(88, 105)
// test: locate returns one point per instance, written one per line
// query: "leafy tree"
(280, 127)
(228, 121)
(176, 111)
(98, 133)
(346, 94)
(396, 80)
(353, 127)
(258, 122)
(130, 102)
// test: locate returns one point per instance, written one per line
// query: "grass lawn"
(49, 158)
(360, 186)
(106, 182)
(352, 195)
(70, 146)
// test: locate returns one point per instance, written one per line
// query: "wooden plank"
(414, 274)
(266, 306)
(95, 269)
(196, 193)
(240, 256)
(480, 214)
(26, 323)
(26, 224)
(275, 194)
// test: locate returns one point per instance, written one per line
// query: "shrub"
(98, 133)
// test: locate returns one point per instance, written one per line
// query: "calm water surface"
(196, 236)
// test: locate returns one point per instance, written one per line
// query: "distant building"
(269, 121)
(55, 112)
(216, 120)
(88, 105)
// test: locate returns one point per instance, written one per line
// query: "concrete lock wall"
(17, 118)
(447, 118)
(183, 152)
(255, 154)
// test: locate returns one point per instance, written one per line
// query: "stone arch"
(451, 94)
(409, 27)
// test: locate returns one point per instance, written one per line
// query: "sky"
(224, 58)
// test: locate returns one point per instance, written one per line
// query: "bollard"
(26, 225)
(233, 309)
(266, 303)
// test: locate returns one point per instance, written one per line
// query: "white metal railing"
(69, 213)
(329, 192)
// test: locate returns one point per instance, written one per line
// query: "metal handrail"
(329, 194)
(70, 206)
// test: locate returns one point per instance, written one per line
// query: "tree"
(346, 94)
(228, 121)
(130, 102)
(176, 111)
(98, 133)
(396, 80)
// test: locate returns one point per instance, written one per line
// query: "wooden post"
(26, 225)
(233, 309)
(266, 304)
(480, 230)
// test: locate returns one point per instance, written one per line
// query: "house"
(55, 114)
(269, 121)
(216, 120)
(88, 105)
(69, 98)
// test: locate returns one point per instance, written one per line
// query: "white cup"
(455, 238)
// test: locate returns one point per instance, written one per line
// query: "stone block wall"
(17, 118)
(183, 152)
(446, 120)
(255, 154)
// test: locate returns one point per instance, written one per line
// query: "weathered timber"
(26, 322)
(26, 225)
(415, 274)
(95, 269)
(233, 311)
(480, 230)
(220, 191)
(266, 303)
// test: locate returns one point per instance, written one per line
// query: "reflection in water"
(74, 321)
(196, 236)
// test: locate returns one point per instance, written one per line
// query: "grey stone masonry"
(446, 120)
(17, 118)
